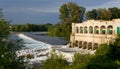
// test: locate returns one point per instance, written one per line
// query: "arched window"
(76, 43)
(103, 30)
(110, 29)
(96, 30)
(80, 44)
(85, 29)
(77, 30)
(81, 29)
(85, 45)
(91, 29)
(95, 46)
(89, 45)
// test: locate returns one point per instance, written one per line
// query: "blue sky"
(45, 11)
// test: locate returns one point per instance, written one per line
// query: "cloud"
(44, 10)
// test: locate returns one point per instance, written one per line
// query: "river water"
(37, 45)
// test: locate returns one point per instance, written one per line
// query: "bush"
(55, 62)
(80, 60)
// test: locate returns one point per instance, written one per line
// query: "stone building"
(92, 33)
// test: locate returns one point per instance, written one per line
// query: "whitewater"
(41, 51)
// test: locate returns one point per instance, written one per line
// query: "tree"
(64, 12)
(114, 51)
(1, 13)
(104, 14)
(115, 12)
(80, 61)
(93, 14)
(71, 12)
(4, 28)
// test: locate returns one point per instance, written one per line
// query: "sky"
(45, 11)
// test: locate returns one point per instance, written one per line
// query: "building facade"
(92, 33)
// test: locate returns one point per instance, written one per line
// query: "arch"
(85, 45)
(77, 30)
(95, 46)
(80, 44)
(76, 43)
(81, 29)
(89, 45)
(96, 30)
(85, 29)
(110, 29)
(103, 30)
(91, 29)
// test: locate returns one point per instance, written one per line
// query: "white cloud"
(44, 10)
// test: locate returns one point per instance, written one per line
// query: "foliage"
(4, 28)
(114, 51)
(55, 62)
(101, 60)
(71, 12)
(93, 14)
(8, 57)
(80, 60)
(103, 14)
(31, 27)
(115, 12)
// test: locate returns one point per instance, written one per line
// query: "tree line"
(103, 14)
(30, 27)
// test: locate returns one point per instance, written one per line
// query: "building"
(92, 33)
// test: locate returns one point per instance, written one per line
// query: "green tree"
(114, 50)
(1, 15)
(64, 12)
(115, 12)
(4, 28)
(104, 14)
(71, 12)
(51, 31)
(9, 59)
(80, 61)
(93, 14)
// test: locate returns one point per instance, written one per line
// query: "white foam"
(37, 48)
